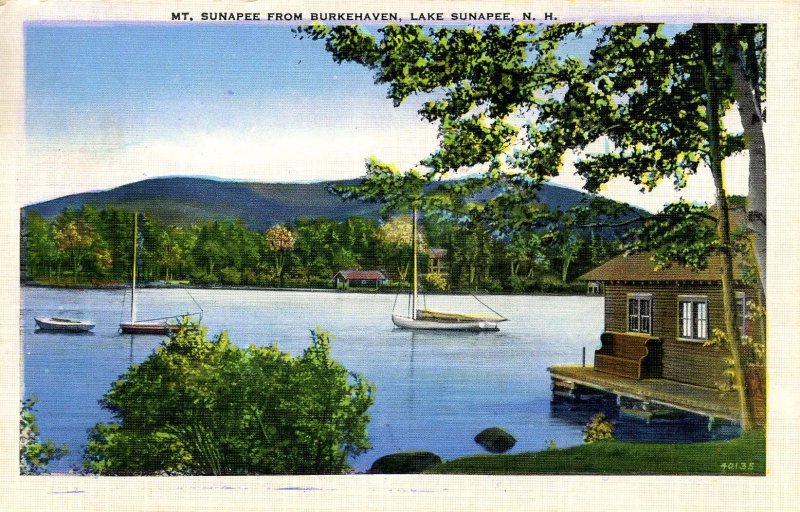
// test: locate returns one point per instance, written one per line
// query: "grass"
(745, 455)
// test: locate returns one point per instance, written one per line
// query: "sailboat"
(134, 326)
(427, 319)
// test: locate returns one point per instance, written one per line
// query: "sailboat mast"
(133, 280)
(414, 250)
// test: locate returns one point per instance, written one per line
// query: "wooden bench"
(631, 355)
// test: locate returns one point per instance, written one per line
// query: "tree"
(280, 241)
(508, 103)
(203, 407)
(169, 252)
(395, 239)
(34, 455)
(74, 237)
(472, 258)
(40, 247)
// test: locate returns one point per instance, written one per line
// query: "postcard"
(441, 255)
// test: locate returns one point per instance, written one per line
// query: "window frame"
(694, 316)
(638, 298)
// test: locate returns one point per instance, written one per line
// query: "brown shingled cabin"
(673, 311)
(656, 324)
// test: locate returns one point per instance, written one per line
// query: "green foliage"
(435, 282)
(742, 456)
(230, 276)
(598, 429)
(508, 107)
(682, 233)
(523, 259)
(204, 407)
(34, 455)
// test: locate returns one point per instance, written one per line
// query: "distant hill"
(184, 201)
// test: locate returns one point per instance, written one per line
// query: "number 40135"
(738, 466)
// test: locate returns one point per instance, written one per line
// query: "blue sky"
(150, 79)
(114, 103)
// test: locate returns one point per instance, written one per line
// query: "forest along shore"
(384, 290)
(87, 247)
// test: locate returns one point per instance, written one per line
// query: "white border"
(777, 491)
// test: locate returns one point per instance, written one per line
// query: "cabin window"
(693, 318)
(640, 313)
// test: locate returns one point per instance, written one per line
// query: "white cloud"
(315, 149)
(308, 154)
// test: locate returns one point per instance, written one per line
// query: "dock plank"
(687, 397)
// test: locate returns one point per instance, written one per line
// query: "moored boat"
(153, 326)
(63, 324)
(148, 327)
(426, 319)
(405, 322)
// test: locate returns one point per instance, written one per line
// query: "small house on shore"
(665, 316)
(347, 278)
(653, 346)
(437, 257)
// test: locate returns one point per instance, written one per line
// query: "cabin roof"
(362, 275)
(641, 267)
(437, 252)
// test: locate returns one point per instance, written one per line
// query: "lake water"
(435, 391)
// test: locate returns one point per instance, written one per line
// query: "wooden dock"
(695, 399)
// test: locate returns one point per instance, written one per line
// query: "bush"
(598, 429)
(320, 282)
(201, 407)
(34, 455)
(268, 279)
(203, 279)
(230, 276)
(435, 281)
(249, 277)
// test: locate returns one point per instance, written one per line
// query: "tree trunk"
(565, 263)
(749, 103)
(74, 267)
(723, 232)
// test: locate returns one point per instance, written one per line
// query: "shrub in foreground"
(206, 407)
(34, 455)
(599, 428)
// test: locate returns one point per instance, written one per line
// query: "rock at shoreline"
(405, 462)
(496, 440)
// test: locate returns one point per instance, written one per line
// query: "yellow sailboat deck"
(429, 314)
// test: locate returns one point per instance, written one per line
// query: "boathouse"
(346, 278)
(657, 323)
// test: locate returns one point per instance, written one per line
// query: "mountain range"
(184, 201)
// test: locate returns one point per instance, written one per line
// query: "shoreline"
(164, 285)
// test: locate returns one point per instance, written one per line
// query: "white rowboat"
(63, 324)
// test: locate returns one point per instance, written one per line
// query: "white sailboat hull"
(63, 324)
(405, 322)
